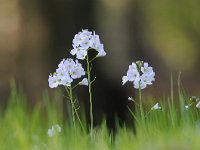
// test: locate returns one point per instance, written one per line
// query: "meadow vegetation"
(174, 126)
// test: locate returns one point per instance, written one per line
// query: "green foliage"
(172, 127)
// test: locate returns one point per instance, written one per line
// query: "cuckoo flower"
(82, 43)
(85, 40)
(140, 74)
(156, 106)
(67, 71)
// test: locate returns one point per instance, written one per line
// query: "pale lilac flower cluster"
(53, 130)
(141, 74)
(85, 40)
(67, 71)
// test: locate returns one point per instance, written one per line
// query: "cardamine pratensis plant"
(141, 75)
(84, 42)
(69, 70)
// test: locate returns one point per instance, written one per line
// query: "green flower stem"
(75, 86)
(141, 107)
(139, 63)
(69, 91)
(74, 110)
(92, 59)
(148, 113)
(90, 93)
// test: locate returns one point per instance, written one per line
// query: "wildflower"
(85, 40)
(53, 130)
(67, 71)
(76, 71)
(101, 53)
(50, 132)
(84, 82)
(140, 73)
(156, 106)
(146, 69)
(130, 99)
(124, 79)
(187, 107)
(80, 53)
(139, 83)
(53, 81)
(198, 105)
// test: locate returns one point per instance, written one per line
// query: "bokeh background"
(35, 35)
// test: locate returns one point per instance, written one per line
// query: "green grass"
(171, 128)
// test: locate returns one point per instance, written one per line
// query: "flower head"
(140, 74)
(67, 71)
(130, 99)
(85, 40)
(54, 130)
(84, 82)
(53, 81)
(156, 106)
(187, 107)
(50, 132)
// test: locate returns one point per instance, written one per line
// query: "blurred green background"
(36, 34)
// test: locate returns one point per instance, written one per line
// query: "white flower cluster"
(53, 130)
(85, 40)
(67, 71)
(140, 74)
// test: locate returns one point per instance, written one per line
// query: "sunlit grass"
(172, 127)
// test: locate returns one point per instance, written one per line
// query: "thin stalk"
(141, 107)
(147, 113)
(75, 86)
(139, 63)
(92, 59)
(74, 110)
(90, 93)
(132, 114)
